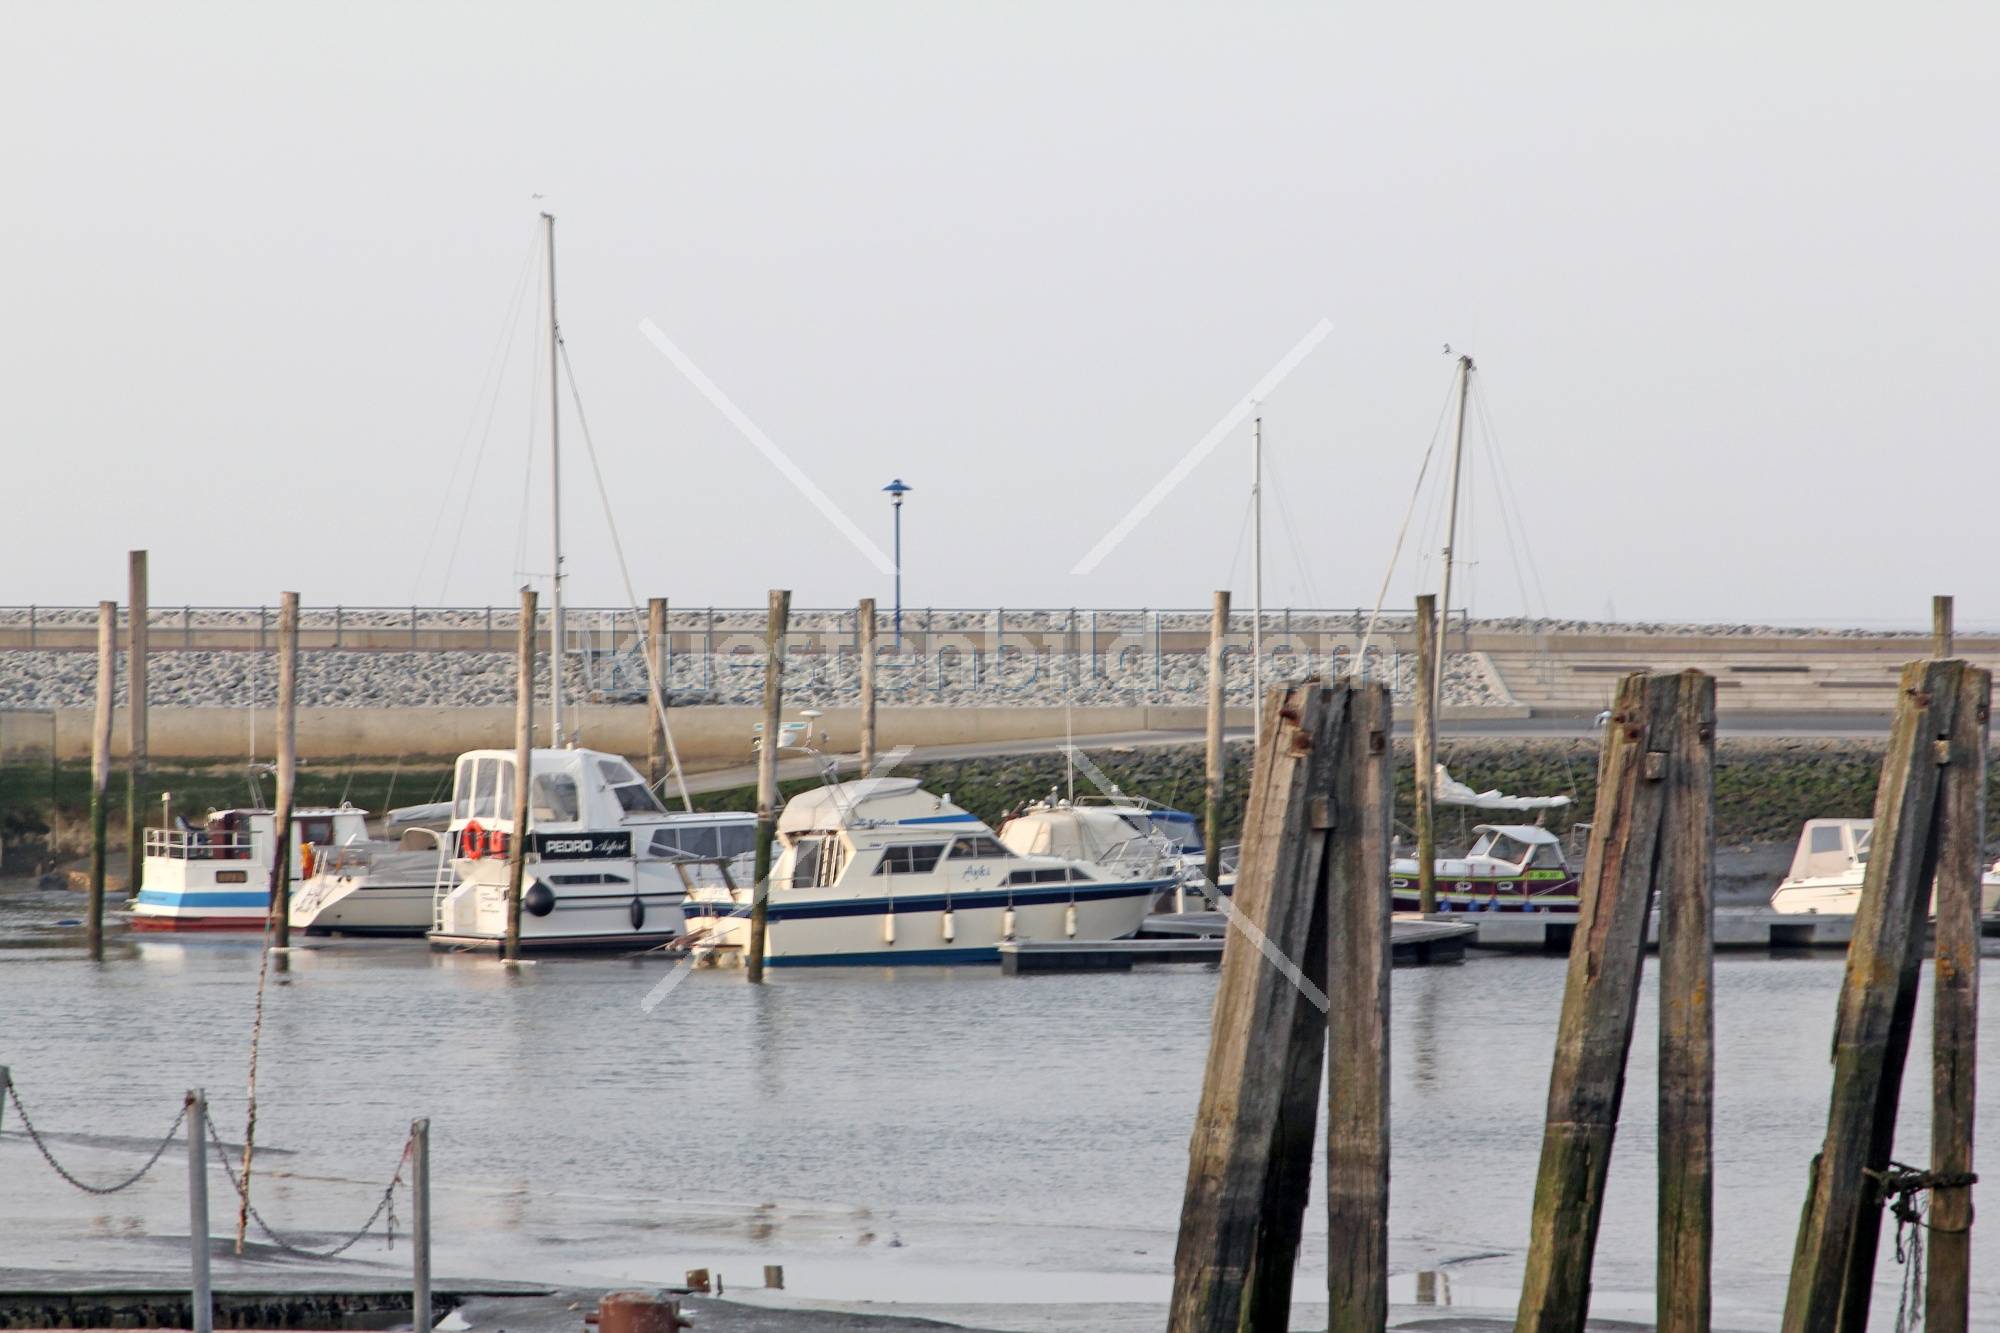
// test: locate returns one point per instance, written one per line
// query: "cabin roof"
(1529, 833)
(870, 800)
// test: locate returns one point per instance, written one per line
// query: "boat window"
(1509, 850)
(554, 799)
(909, 860)
(599, 878)
(1050, 875)
(1548, 856)
(315, 828)
(1826, 838)
(684, 842)
(503, 804)
(976, 849)
(1862, 840)
(805, 862)
(636, 798)
(461, 807)
(1481, 845)
(737, 839)
(484, 788)
(616, 771)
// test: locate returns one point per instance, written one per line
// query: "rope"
(283, 839)
(1902, 1189)
(35, 1137)
(385, 1204)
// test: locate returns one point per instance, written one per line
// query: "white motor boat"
(1110, 830)
(881, 871)
(371, 888)
(218, 876)
(606, 866)
(1830, 864)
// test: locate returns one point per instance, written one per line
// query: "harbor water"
(1009, 1152)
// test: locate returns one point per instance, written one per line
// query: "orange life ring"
(472, 841)
(496, 843)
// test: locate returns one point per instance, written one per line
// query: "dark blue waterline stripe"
(990, 900)
(906, 956)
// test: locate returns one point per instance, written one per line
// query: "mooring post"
(1357, 1015)
(1424, 734)
(1637, 770)
(767, 775)
(1217, 771)
(420, 1225)
(656, 684)
(136, 642)
(100, 772)
(524, 760)
(1250, 1158)
(1684, 886)
(865, 633)
(1955, 1007)
(1941, 635)
(288, 756)
(200, 1298)
(1833, 1266)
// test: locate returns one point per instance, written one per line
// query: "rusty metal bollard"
(638, 1312)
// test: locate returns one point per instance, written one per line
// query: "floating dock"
(1198, 937)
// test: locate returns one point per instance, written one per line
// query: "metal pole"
(524, 759)
(1451, 533)
(201, 1298)
(420, 1225)
(555, 499)
(898, 502)
(767, 774)
(1257, 573)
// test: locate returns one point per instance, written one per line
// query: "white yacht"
(1832, 861)
(880, 871)
(606, 865)
(370, 888)
(1111, 830)
(217, 876)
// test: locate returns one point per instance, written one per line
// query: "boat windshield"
(634, 796)
(554, 799)
(1862, 838)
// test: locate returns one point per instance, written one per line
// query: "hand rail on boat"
(197, 845)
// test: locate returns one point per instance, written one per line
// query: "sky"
(1728, 273)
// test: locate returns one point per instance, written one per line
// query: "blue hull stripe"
(204, 898)
(990, 900)
(918, 956)
(941, 819)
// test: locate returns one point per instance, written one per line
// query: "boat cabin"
(1514, 849)
(1831, 847)
(571, 791)
(1100, 831)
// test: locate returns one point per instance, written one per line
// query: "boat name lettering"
(582, 846)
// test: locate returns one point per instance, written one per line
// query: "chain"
(386, 1205)
(14, 1096)
(1904, 1190)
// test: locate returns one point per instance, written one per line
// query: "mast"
(1450, 541)
(1257, 572)
(555, 498)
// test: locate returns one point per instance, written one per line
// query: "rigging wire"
(1510, 497)
(1306, 584)
(489, 392)
(1374, 616)
(625, 573)
(1236, 551)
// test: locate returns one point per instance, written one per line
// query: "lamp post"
(897, 490)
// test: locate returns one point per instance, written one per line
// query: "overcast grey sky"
(1729, 273)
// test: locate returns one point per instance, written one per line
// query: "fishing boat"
(605, 866)
(217, 876)
(878, 870)
(1830, 864)
(1509, 868)
(366, 887)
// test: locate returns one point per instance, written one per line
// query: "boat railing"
(1144, 856)
(197, 845)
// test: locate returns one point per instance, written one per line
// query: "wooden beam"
(1683, 884)
(1600, 998)
(1941, 635)
(1250, 1159)
(656, 685)
(767, 777)
(1357, 990)
(1215, 773)
(280, 908)
(137, 696)
(1424, 737)
(100, 776)
(1834, 1261)
(524, 769)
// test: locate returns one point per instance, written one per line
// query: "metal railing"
(197, 845)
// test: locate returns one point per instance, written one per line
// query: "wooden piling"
(136, 695)
(422, 1317)
(100, 772)
(1941, 636)
(1684, 886)
(1834, 1263)
(1424, 736)
(524, 760)
(1217, 770)
(1250, 1159)
(767, 775)
(1357, 992)
(1955, 1006)
(865, 621)
(656, 685)
(1639, 767)
(288, 757)
(200, 1293)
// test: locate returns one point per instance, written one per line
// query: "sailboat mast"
(1450, 541)
(555, 498)
(1257, 572)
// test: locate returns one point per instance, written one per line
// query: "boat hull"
(637, 906)
(359, 907)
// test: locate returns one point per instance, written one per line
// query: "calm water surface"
(930, 1136)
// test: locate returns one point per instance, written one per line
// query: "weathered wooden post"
(865, 623)
(201, 1297)
(767, 775)
(1933, 756)
(1649, 768)
(656, 684)
(136, 642)
(420, 1226)
(1357, 992)
(1424, 734)
(524, 760)
(1218, 753)
(100, 771)
(288, 757)
(1941, 627)
(1249, 1163)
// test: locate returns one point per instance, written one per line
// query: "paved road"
(1840, 726)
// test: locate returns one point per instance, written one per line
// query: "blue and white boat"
(881, 871)
(218, 876)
